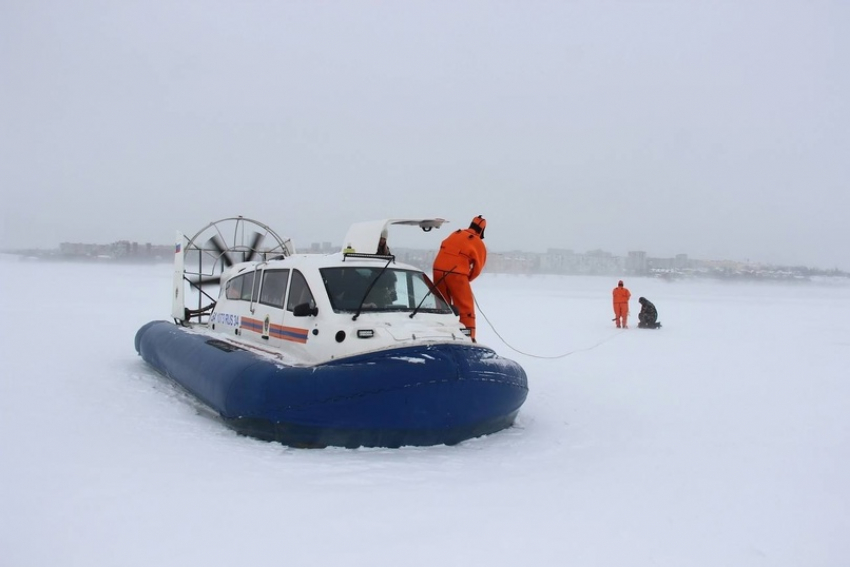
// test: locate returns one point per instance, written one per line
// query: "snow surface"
(722, 439)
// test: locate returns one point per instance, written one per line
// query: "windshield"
(394, 290)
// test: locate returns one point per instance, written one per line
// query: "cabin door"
(268, 310)
(297, 330)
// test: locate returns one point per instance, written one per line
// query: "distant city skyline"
(635, 261)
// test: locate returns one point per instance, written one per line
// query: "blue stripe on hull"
(422, 395)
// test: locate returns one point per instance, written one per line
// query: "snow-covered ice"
(721, 439)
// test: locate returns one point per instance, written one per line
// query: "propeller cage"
(219, 246)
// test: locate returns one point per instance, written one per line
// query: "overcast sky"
(716, 129)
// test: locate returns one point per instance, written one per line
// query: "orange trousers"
(621, 314)
(457, 291)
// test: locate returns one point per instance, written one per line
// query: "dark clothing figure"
(648, 316)
(383, 249)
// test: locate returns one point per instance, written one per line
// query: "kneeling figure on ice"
(648, 316)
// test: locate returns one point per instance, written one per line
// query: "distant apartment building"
(566, 261)
(560, 261)
(600, 262)
(321, 248)
(515, 262)
(636, 262)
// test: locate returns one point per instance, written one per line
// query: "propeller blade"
(254, 248)
(218, 245)
(201, 281)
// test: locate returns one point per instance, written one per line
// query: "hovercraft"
(349, 348)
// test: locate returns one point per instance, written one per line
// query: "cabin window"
(299, 291)
(433, 300)
(233, 288)
(378, 289)
(250, 282)
(274, 287)
(239, 287)
(255, 292)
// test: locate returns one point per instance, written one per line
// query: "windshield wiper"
(368, 289)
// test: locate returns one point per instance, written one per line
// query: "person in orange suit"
(460, 260)
(621, 305)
